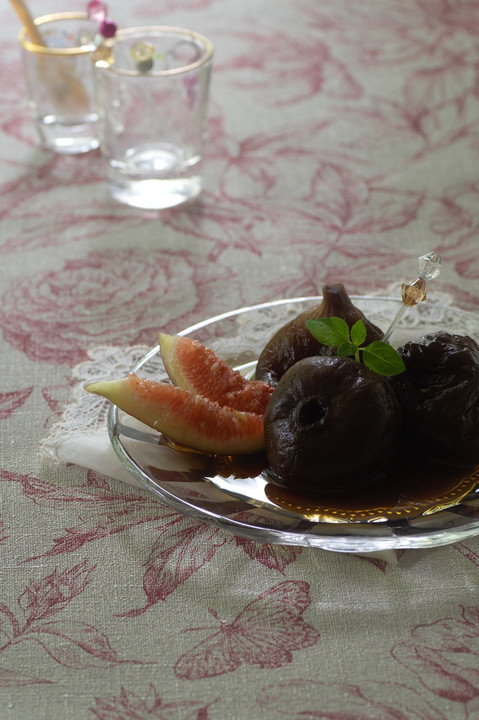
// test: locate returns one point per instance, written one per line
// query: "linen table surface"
(343, 144)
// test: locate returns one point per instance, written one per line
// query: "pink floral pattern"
(445, 656)
(343, 142)
(264, 634)
(129, 705)
(10, 401)
(299, 698)
(74, 644)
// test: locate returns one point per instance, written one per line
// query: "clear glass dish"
(237, 494)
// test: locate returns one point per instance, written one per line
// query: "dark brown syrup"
(408, 488)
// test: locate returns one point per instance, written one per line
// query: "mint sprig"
(378, 356)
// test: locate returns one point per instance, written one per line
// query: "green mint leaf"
(347, 349)
(358, 333)
(382, 358)
(331, 331)
(379, 356)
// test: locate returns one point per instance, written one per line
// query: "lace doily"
(80, 435)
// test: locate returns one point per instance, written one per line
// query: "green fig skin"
(294, 342)
(331, 425)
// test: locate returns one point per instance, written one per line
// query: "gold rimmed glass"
(59, 80)
(152, 93)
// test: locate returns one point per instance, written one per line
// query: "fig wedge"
(198, 369)
(190, 420)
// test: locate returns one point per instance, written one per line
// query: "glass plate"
(236, 493)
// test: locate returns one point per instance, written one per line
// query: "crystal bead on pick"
(414, 292)
(429, 265)
(143, 53)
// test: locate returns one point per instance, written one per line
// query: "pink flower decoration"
(107, 28)
(96, 10)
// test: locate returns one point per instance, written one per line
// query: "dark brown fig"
(331, 425)
(439, 396)
(294, 342)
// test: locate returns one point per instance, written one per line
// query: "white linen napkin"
(80, 436)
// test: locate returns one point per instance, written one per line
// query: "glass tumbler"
(60, 84)
(152, 86)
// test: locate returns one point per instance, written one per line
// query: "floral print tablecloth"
(344, 142)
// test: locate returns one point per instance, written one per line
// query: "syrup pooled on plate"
(406, 489)
(409, 487)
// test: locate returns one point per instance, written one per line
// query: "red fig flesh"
(188, 419)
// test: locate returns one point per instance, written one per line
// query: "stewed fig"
(331, 425)
(439, 396)
(294, 342)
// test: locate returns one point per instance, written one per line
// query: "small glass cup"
(152, 87)
(60, 84)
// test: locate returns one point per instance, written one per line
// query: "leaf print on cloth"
(296, 699)
(53, 592)
(295, 66)
(70, 643)
(401, 31)
(264, 634)
(76, 645)
(182, 547)
(48, 188)
(433, 87)
(348, 205)
(467, 552)
(444, 655)
(456, 221)
(11, 678)
(261, 165)
(225, 225)
(102, 511)
(129, 706)
(10, 401)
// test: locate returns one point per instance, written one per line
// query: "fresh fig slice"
(294, 342)
(190, 420)
(196, 368)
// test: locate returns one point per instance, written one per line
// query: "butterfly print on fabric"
(274, 557)
(265, 634)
